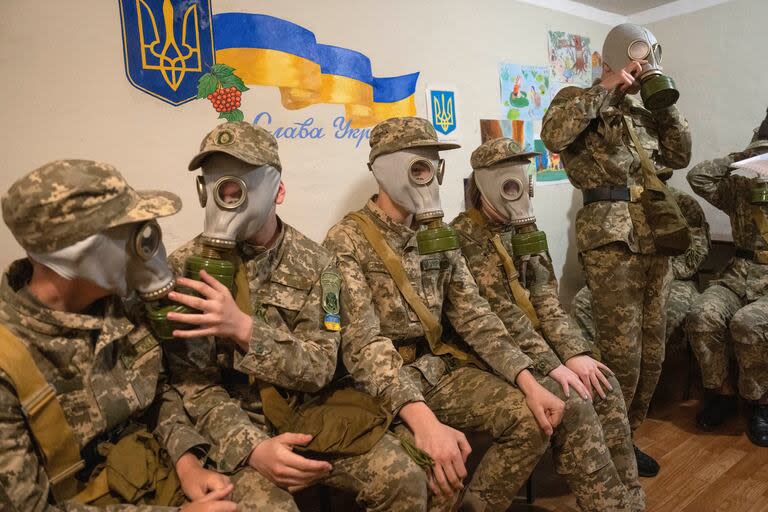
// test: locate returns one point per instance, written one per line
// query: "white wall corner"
(580, 10)
(671, 10)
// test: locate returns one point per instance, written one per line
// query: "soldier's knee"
(409, 482)
(749, 325)
(711, 311)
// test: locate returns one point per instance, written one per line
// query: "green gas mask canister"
(629, 42)
(760, 191)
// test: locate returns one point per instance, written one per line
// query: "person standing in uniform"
(732, 313)
(509, 259)
(403, 273)
(683, 289)
(283, 351)
(593, 130)
(81, 382)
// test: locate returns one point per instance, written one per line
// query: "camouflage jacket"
(377, 318)
(585, 126)
(563, 340)
(290, 347)
(713, 181)
(106, 371)
(687, 265)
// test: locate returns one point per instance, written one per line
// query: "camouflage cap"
(249, 143)
(399, 133)
(498, 150)
(66, 201)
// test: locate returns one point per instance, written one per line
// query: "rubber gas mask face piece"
(630, 42)
(508, 189)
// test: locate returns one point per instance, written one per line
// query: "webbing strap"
(433, 331)
(519, 293)
(50, 429)
(761, 222)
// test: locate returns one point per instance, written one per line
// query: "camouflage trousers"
(477, 401)
(593, 450)
(719, 325)
(629, 294)
(383, 479)
(681, 296)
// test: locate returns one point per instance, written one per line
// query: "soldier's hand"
(568, 379)
(275, 459)
(196, 481)
(591, 372)
(449, 450)
(219, 313)
(213, 502)
(546, 407)
(622, 78)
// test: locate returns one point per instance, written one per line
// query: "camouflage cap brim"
(148, 205)
(516, 156)
(197, 161)
(385, 149)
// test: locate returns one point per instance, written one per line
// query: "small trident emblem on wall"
(171, 60)
(442, 111)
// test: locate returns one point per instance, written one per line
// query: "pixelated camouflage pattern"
(713, 181)
(586, 127)
(244, 141)
(399, 133)
(629, 293)
(687, 265)
(592, 446)
(291, 349)
(498, 150)
(377, 319)
(106, 371)
(66, 201)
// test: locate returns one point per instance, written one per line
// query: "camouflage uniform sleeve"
(686, 265)
(369, 357)
(674, 137)
(301, 360)
(556, 324)
(471, 316)
(24, 484)
(174, 429)
(570, 112)
(711, 180)
(197, 379)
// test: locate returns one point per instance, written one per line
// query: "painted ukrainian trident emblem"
(168, 46)
(443, 112)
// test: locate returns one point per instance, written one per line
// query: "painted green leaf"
(221, 70)
(520, 102)
(232, 115)
(233, 80)
(513, 114)
(206, 85)
(506, 103)
(539, 78)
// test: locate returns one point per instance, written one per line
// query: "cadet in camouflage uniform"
(385, 345)
(732, 313)
(289, 342)
(83, 226)
(593, 444)
(627, 278)
(683, 269)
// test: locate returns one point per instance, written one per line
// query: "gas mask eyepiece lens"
(512, 189)
(202, 193)
(229, 192)
(147, 240)
(421, 171)
(639, 50)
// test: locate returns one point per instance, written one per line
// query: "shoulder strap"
(432, 328)
(519, 293)
(649, 170)
(761, 222)
(49, 426)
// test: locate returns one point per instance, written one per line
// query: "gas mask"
(126, 258)
(508, 188)
(629, 42)
(412, 178)
(760, 191)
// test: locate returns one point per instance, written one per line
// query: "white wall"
(717, 58)
(65, 95)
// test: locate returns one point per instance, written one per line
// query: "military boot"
(758, 426)
(717, 409)
(646, 465)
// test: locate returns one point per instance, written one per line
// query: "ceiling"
(624, 7)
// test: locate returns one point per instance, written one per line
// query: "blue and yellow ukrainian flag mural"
(271, 51)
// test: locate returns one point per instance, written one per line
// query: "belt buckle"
(761, 257)
(635, 191)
